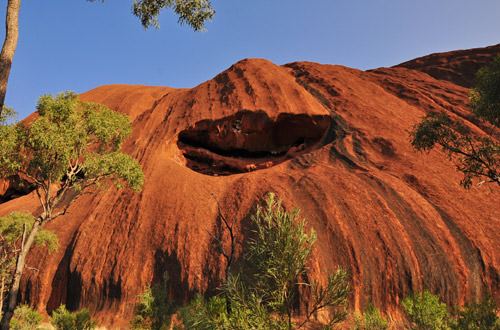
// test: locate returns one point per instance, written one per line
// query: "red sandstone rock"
(328, 139)
(459, 67)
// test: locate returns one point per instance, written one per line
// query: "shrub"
(426, 312)
(62, 319)
(477, 316)
(154, 309)
(371, 319)
(201, 314)
(25, 318)
(263, 294)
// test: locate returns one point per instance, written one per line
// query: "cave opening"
(249, 141)
(16, 187)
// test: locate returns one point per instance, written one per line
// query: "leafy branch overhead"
(476, 156)
(195, 13)
(191, 12)
(6, 113)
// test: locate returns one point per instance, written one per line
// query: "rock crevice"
(250, 140)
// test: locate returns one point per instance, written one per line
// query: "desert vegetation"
(425, 311)
(476, 156)
(70, 148)
(263, 293)
(26, 318)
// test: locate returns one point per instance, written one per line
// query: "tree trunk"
(9, 46)
(21, 262)
(2, 288)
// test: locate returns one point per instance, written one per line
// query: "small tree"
(475, 156)
(62, 319)
(485, 97)
(278, 257)
(477, 316)
(371, 319)
(263, 294)
(154, 309)
(25, 318)
(13, 229)
(426, 312)
(69, 148)
(6, 114)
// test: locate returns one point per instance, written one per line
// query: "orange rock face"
(328, 139)
(459, 67)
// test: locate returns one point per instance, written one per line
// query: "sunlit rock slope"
(328, 139)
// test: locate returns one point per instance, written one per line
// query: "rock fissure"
(250, 140)
(14, 187)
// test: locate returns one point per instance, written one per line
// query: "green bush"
(371, 319)
(62, 319)
(201, 314)
(263, 294)
(25, 318)
(426, 312)
(154, 309)
(477, 316)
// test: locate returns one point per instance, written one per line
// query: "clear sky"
(78, 45)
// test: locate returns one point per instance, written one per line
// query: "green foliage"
(201, 314)
(426, 312)
(477, 316)
(6, 114)
(8, 141)
(68, 147)
(192, 12)
(278, 254)
(485, 97)
(441, 129)
(62, 319)
(25, 318)
(48, 239)
(12, 226)
(154, 309)
(262, 295)
(11, 231)
(333, 296)
(239, 311)
(475, 156)
(72, 140)
(371, 319)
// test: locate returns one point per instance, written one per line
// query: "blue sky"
(78, 45)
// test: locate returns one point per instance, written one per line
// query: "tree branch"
(229, 257)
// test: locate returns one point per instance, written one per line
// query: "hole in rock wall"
(250, 140)
(16, 187)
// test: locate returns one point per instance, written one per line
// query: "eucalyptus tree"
(9, 46)
(13, 228)
(192, 12)
(69, 148)
(476, 156)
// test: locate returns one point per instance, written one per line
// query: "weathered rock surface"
(328, 139)
(459, 67)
